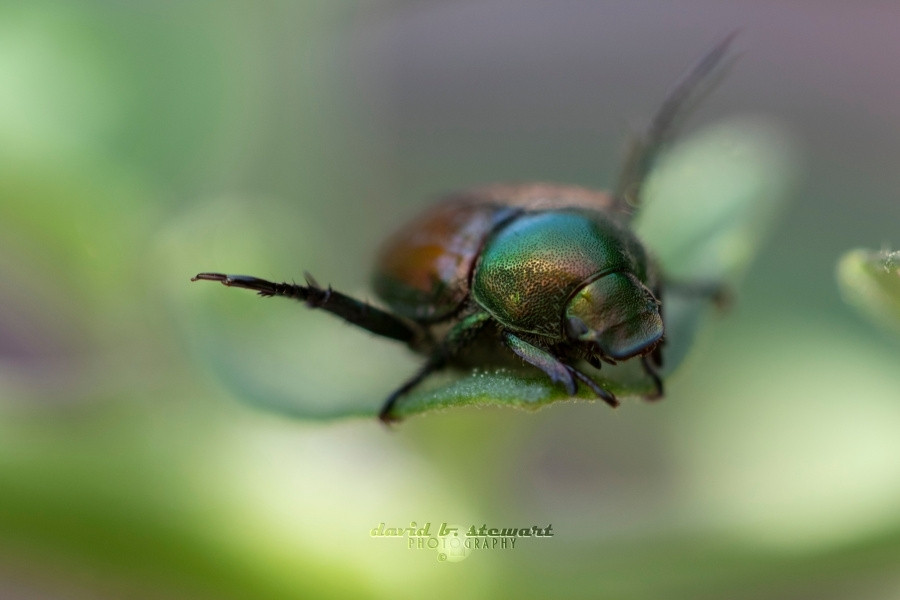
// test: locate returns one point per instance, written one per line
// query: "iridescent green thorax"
(530, 269)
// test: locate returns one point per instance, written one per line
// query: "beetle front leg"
(650, 370)
(556, 370)
(353, 311)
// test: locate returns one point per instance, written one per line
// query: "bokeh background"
(143, 142)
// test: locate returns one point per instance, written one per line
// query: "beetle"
(549, 273)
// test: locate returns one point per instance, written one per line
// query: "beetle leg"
(655, 358)
(682, 97)
(650, 370)
(457, 338)
(599, 391)
(361, 314)
(556, 370)
(546, 362)
(435, 363)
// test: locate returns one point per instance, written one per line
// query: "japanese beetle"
(549, 273)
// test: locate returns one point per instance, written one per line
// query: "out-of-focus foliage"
(870, 281)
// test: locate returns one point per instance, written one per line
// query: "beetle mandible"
(550, 272)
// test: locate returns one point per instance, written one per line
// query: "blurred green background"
(143, 142)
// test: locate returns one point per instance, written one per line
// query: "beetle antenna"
(683, 96)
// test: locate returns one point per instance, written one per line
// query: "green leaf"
(710, 203)
(870, 281)
(524, 389)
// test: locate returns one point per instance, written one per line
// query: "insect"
(551, 274)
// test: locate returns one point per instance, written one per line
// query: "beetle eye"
(576, 327)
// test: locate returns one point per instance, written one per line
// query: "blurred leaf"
(713, 199)
(697, 566)
(130, 503)
(870, 281)
(722, 187)
(710, 205)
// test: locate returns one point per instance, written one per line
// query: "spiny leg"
(546, 362)
(677, 105)
(457, 338)
(556, 370)
(354, 311)
(650, 370)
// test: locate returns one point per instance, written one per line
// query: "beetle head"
(616, 313)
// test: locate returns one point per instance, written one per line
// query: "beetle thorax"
(530, 269)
